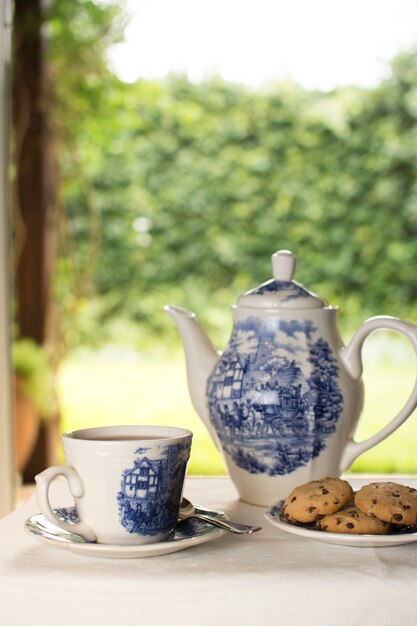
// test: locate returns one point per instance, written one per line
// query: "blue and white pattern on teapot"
(283, 401)
(274, 396)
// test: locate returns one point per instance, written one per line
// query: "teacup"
(126, 481)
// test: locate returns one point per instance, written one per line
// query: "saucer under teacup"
(187, 534)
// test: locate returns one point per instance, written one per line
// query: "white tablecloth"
(270, 577)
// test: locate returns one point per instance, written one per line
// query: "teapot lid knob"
(283, 265)
(282, 292)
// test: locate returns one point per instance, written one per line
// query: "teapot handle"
(352, 358)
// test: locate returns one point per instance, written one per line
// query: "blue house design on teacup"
(141, 482)
(150, 489)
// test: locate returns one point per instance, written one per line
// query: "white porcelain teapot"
(283, 400)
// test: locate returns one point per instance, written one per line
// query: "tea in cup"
(126, 481)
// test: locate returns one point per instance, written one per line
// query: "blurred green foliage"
(31, 366)
(179, 192)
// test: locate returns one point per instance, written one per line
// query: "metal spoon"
(188, 509)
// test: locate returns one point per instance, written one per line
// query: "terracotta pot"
(26, 429)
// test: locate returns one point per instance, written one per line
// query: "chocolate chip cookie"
(389, 502)
(352, 521)
(317, 498)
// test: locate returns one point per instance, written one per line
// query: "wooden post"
(35, 193)
(35, 185)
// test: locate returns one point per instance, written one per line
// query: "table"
(270, 577)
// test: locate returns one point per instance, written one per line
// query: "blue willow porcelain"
(283, 400)
(126, 481)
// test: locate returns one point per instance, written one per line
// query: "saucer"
(401, 537)
(187, 534)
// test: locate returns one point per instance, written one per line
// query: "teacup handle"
(43, 481)
(352, 358)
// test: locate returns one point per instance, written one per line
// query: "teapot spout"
(200, 356)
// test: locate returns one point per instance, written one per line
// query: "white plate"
(276, 518)
(191, 532)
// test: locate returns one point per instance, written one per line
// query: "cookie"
(317, 498)
(351, 520)
(389, 502)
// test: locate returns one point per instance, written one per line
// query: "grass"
(119, 387)
(114, 389)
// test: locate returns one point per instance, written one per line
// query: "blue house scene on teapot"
(148, 499)
(274, 397)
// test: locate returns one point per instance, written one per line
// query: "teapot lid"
(282, 292)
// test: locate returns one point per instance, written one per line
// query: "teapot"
(283, 401)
